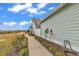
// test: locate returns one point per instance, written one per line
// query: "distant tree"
(30, 27)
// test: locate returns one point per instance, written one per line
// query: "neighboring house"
(62, 24)
(36, 27)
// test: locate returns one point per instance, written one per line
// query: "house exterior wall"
(33, 28)
(65, 26)
(36, 31)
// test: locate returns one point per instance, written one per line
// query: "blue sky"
(18, 16)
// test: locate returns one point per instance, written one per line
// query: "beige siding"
(65, 25)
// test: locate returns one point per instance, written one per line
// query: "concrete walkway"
(36, 49)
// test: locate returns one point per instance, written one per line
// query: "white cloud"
(5, 23)
(9, 23)
(32, 10)
(28, 8)
(42, 12)
(41, 5)
(12, 23)
(19, 7)
(51, 8)
(24, 23)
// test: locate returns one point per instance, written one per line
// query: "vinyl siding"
(65, 25)
(36, 31)
(34, 28)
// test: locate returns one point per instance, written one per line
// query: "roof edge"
(55, 10)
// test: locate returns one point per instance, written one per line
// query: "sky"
(18, 16)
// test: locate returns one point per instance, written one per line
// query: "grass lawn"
(12, 40)
(5, 43)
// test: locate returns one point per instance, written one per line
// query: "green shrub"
(23, 52)
(59, 54)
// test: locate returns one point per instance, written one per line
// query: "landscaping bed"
(53, 48)
(20, 46)
(56, 49)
